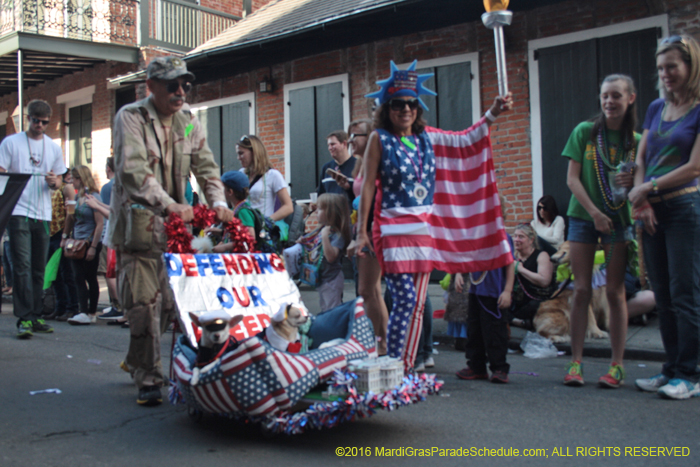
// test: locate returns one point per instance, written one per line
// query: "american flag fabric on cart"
(257, 379)
(439, 203)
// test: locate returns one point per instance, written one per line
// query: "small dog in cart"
(283, 331)
(216, 338)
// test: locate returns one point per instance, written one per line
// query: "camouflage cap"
(167, 68)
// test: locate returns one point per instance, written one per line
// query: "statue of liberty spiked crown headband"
(403, 83)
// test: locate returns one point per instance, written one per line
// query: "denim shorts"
(584, 231)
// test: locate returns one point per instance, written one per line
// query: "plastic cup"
(70, 206)
(314, 197)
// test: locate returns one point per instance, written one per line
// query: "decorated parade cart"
(282, 391)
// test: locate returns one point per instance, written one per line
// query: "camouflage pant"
(149, 306)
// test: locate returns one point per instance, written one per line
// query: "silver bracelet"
(490, 116)
(220, 204)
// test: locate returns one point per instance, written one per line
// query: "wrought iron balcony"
(113, 21)
(173, 24)
(185, 25)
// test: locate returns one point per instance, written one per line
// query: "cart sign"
(252, 285)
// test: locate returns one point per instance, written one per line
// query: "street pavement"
(95, 421)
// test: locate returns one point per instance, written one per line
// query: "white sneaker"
(429, 362)
(82, 318)
(651, 384)
(679, 389)
(420, 368)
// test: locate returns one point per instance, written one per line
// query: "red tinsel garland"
(179, 238)
(203, 216)
(240, 237)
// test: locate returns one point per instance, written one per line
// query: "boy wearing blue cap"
(236, 191)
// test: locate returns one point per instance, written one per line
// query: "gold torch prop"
(495, 18)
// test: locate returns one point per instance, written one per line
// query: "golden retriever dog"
(552, 317)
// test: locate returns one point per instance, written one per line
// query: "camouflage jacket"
(140, 164)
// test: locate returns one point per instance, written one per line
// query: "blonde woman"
(269, 192)
(667, 201)
(85, 224)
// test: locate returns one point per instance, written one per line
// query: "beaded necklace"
(604, 184)
(600, 164)
(520, 283)
(664, 134)
(479, 280)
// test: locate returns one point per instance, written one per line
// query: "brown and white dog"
(283, 332)
(552, 319)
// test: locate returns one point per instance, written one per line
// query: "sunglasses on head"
(173, 86)
(674, 40)
(36, 121)
(354, 135)
(400, 104)
(245, 142)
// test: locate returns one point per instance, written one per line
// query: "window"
(225, 121)
(455, 79)
(78, 118)
(80, 135)
(314, 109)
(124, 96)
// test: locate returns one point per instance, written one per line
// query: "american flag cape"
(256, 379)
(462, 230)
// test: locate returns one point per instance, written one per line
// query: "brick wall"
(102, 108)
(367, 63)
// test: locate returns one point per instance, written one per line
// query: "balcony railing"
(169, 23)
(114, 21)
(186, 25)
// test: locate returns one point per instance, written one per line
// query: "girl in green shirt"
(597, 150)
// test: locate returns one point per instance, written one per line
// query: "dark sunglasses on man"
(173, 86)
(398, 105)
(36, 121)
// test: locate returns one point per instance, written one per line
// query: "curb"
(588, 351)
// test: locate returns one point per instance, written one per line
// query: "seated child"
(236, 190)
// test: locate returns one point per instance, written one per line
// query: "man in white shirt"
(31, 152)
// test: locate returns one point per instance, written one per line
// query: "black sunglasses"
(36, 121)
(540, 207)
(216, 325)
(400, 104)
(173, 86)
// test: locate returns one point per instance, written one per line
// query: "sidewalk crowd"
(397, 198)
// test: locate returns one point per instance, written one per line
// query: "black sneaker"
(499, 377)
(149, 396)
(112, 315)
(39, 325)
(24, 330)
